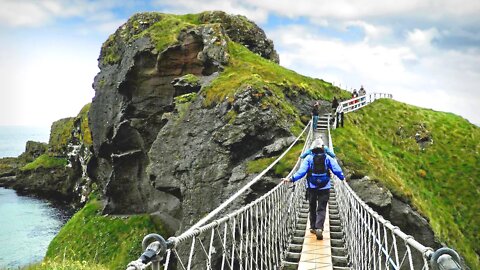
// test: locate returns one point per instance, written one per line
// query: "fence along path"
(257, 235)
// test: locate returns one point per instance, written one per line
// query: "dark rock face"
(178, 161)
(55, 184)
(186, 84)
(33, 150)
(245, 32)
(128, 108)
(396, 211)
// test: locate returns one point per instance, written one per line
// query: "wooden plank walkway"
(316, 254)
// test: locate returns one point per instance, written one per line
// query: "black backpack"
(318, 175)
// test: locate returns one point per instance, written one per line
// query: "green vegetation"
(248, 68)
(191, 79)
(65, 265)
(442, 180)
(7, 165)
(271, 84)
(185, 98)
(60, 133)
(45, 161)
(283, 167)
(163, 32)
(99, 242)
(85, 134)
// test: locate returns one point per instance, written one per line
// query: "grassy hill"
(441, 178)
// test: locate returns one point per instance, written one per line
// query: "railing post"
(445, 259)
(153, 252)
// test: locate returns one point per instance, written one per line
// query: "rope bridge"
(258, 235)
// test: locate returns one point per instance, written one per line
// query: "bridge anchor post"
(445, 259)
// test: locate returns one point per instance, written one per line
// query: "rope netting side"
(256, 236)
(373, 242)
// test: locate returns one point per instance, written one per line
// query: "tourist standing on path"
(362, 93)
(315, 115)
(316, 167)
(354, 95)
(334, 109)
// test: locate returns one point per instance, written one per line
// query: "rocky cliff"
(182, 104)
(57, 170)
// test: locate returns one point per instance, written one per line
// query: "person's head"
(317, 146)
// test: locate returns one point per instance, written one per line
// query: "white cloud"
(422, 38)
(372, 32)
(445, 80)
(19, 13)
(361, 9)
(34, 13)
(396, 49)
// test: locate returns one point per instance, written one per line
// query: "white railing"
(356, 103)
(255, 236)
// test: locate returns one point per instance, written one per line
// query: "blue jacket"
(327, 151)
(307, 163)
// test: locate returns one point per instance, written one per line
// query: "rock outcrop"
(243, 31)
(160, 145)
(57, 170)
(395, 210)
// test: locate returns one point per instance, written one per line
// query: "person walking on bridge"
(315, 115)
(316, 167)
(325, 149)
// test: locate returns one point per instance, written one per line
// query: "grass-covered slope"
(442, 180)
(249, 68)
(92, 241)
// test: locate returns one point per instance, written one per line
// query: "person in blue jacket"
(318, 185)
(324, 147)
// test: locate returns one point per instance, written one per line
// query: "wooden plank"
(316, 254)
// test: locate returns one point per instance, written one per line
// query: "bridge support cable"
(372, 241)
(256, 236)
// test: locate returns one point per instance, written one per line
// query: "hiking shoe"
(312, 230)
(319, 234)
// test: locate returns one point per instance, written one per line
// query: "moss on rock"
(85, 133)
(60, 134)
(161, 29)
(45, 161)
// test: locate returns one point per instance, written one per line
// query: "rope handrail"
(282, 203)
(256, 236)
(245, 187)
(371, 240)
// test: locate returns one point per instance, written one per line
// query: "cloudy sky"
(424, 52)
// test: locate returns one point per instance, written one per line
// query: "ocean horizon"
(14, 138)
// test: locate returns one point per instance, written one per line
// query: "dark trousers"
(317, 201)
(340, 119)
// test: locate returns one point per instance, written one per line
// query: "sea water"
(14, 138)
(27, 224)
